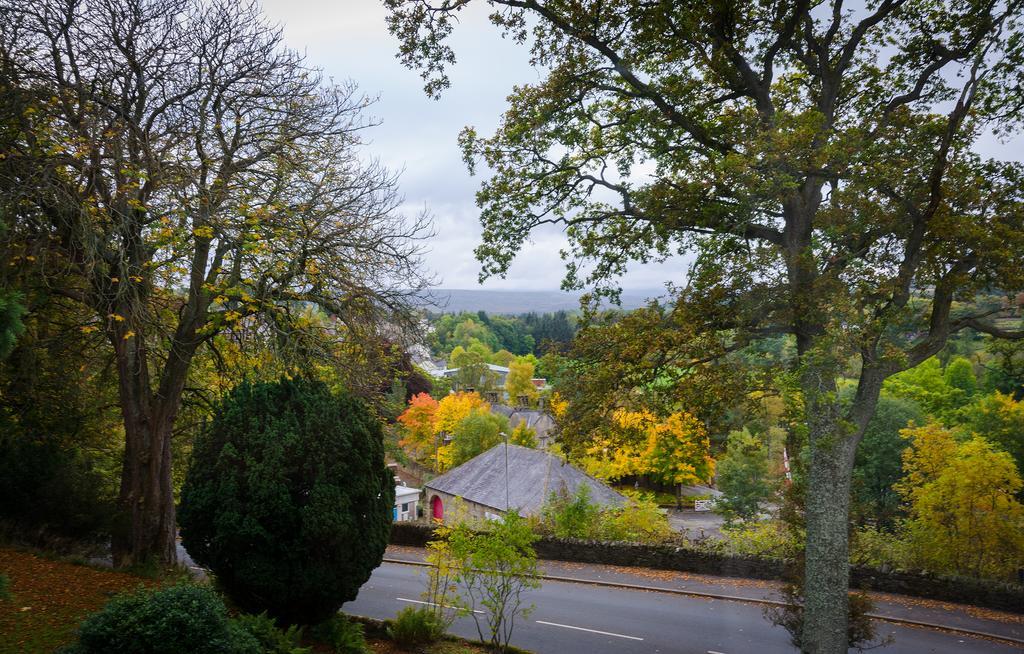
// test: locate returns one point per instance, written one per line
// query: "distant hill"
(454, 300)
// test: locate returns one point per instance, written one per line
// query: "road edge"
(750, 600)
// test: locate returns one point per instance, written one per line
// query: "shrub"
(288, 500)
(571, 516)
(416, 626)
(5, 588)
(344, 636)
(879, 548)
(640, 521)
(767, 538)
(272, 640)
(185, 619)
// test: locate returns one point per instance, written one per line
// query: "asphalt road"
(574, 618)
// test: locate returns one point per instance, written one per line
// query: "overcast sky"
(348, 39)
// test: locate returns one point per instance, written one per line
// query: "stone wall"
(1006, 597)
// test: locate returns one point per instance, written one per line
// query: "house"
(526, 482)
(407, 502)
(540, 421)
(497, 373)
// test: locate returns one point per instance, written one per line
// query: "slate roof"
(533, 476)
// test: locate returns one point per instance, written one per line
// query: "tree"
(451, 411)
(964, 518)
(184, 174)
(999, 419)
(818, 160)
(878, 466)
(473, 372)
(496, 566)
(11, 326)
(518, 382)
(743, 476)
(502, 358)
(523, 436)
(476, 433)
(672, 450)
(927, 385)
(959, 374)
(288, 500)
(418, 423)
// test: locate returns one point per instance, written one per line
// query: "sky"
(349, 39)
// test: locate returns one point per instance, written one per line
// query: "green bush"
(576, 516)
(640, 521)
(416, 626)
(5, 588)
(288, 500)
(185, 619)
(769, 538)
(571, 516)
(272, 640)
(344, 636)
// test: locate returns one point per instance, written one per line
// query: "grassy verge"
(49, 598)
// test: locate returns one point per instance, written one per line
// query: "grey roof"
(533, 476)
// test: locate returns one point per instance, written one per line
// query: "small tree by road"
(485, 568)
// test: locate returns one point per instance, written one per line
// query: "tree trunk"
(827, 570)
(147, 495)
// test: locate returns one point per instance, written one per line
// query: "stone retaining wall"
(995, 595)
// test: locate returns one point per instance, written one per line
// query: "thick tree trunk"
(147, 497)
(826, 571)
(833, 435)
(147, 494)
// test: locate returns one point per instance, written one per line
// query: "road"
(575, 618)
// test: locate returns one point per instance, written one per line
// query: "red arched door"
(437, 508)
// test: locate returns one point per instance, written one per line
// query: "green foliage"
(769, 538)
(60, 435)
(928, 386)
(517, 335)
(496, 565)
(288, 500)
(184, 619)
(999, 419)
(343, 635)
(879, 548)
(414, 626)
(743, 476)
(1005, 370)
(476, 433)
(571, 516)
(576, 516)
(272, 639)
(878, 465)
(640, 521)
(959, 374)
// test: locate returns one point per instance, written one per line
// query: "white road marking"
(593, 631)
(403, 599)
(711, 651)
